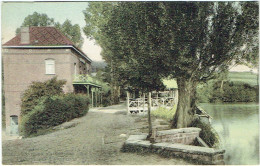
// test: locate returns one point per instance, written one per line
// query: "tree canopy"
(71, 31)
(190, 41)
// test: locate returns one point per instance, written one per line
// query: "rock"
(137, 137)
(122, 135)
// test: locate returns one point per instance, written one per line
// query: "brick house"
(38, 54)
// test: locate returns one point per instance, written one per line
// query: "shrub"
(230, 92)
(52, 111)
(164, 113)
(207, 134)
(37, 90)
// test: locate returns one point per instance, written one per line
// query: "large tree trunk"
(186, 103)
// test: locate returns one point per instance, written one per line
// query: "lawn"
(245, 77)
(236, 77)
(164, 113)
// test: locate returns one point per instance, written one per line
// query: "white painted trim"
(82, 60)
(66, 46)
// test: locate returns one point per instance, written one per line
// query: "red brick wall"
(22, 66)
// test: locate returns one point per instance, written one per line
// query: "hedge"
(230, 92)
(37, 90)
(52, 111)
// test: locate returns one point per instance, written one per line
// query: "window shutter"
(50, 66)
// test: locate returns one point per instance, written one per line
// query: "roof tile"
(41, 36)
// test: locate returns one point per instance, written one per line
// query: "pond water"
(238, 128)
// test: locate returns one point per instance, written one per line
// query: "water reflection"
(238, 128)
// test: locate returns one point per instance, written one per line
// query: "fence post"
(149, 116)
(143, 102)
(127, 102)
(101, 95)
(138, 101)
(92, 97)
(96, 95)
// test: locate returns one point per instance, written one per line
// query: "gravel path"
(95, 140)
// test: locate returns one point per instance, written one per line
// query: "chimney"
(25, 37)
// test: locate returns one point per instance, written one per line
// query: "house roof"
(43, 36)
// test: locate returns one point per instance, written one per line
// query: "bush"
(37, 90)
(230, 92)
(52, 111)
(164, 113)
(207, 134)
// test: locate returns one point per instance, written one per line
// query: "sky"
(13, 14)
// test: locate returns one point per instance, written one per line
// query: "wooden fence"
(140, 105)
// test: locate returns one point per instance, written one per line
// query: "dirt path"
(95, 140)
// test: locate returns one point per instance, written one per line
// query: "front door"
(14, 125)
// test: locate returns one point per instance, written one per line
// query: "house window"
(75, 68)
(49, 66)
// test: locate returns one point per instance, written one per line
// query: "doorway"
(14, 125)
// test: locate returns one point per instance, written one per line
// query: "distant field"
(246, 77)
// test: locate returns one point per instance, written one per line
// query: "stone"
(191, 129)
(181, 130)
(167, 148)
(131, 142)
(185, 148)
(137, 137)
(122, 135)
(146, 144)
(160, 145)
(138, 143)
(218, 157)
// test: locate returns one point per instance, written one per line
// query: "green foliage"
(164, 113)
(207, 134)
(153, 34)
(52, 111)
(69, 30)
(36, 19)
(235, 93)
(106, 89)
(243, 77)
(144, 42)
(230, 92)
(37, 90)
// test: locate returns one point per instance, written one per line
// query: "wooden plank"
(201, 142)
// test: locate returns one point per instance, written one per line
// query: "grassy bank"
(244, 77)
(164, 113)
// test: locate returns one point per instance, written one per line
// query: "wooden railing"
(140, 105)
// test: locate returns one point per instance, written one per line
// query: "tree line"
(190, 41)
(144, 42)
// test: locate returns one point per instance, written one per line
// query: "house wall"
(22, 66)
(82, 68)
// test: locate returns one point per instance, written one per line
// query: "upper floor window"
(75, 68)
(49, 66)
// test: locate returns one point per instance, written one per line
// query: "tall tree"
(190, 41)
(37, 19)
(71, 31)
(96, 16)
